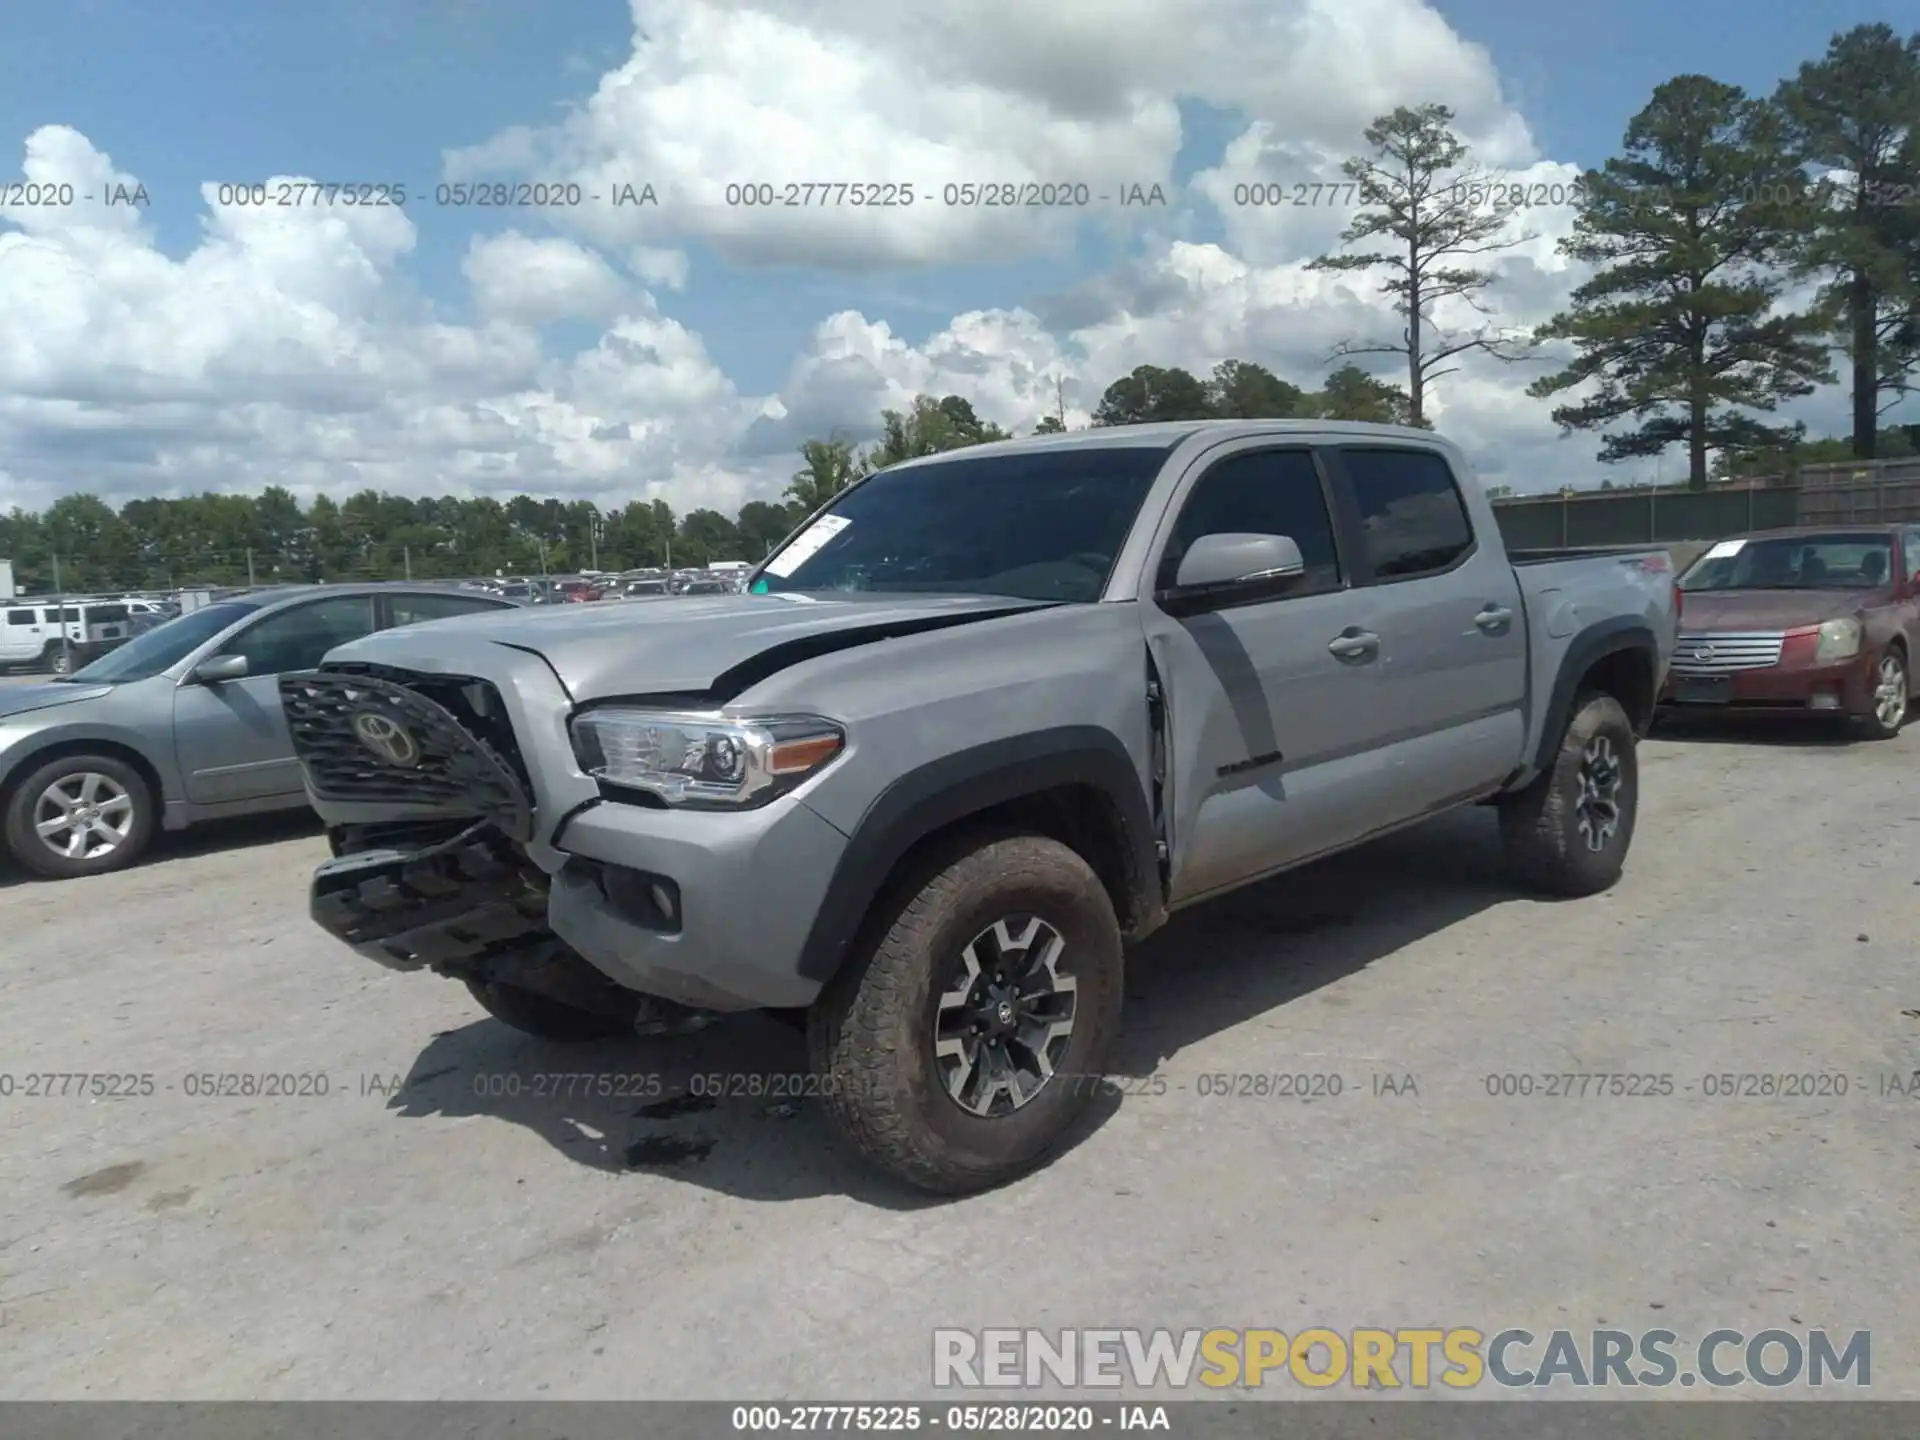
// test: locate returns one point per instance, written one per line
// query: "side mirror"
(1218, 569)
(219, 668)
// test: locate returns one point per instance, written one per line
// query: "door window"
(1415, 521)
(23, 617)
(1261, 492)
(1910, 543)
(418, 609)
(298, 638)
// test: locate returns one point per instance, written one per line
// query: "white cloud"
(535, 282)
(838, 93)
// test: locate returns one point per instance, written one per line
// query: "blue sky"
(180, 92)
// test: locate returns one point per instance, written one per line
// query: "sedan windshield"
(1794, 562)
(1045, 525)
(148, 654)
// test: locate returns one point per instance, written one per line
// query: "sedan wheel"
(1891, 691)
(79, 815)
(83, 817)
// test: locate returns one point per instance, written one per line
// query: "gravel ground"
(407, 1235)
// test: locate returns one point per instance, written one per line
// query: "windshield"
(1794, 562)
(1045, 525)
(146, 655)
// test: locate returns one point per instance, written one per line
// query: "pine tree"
(1678, 332)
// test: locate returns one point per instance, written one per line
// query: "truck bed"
(1579, 552)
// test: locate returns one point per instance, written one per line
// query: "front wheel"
(1567, 833)
(1890, 699)
(79, 815)
(956, 1052)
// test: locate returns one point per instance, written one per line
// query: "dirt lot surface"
(435, 1227)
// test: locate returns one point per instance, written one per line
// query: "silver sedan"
(182, 723)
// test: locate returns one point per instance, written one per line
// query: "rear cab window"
(1412, 516)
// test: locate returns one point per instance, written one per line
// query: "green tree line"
(1720, 209)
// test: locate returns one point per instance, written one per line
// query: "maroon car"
(1820, 621)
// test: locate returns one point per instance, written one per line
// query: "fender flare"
(1590, 646)
(951, 788)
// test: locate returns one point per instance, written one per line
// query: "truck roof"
(1169, 433)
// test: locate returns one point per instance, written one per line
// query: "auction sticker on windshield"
(808, 545)
(1725, 550)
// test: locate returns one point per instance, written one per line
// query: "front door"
(230, 735)
(1270, 704)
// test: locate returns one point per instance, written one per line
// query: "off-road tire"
(58, 659)
(27, 848)
(532, 1013)
(1870, 725)
(1540, 825)
(870, 1034)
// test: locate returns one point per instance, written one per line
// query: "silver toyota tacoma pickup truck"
(978, 723)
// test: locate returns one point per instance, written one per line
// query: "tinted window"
(165, 645)
(1415, 521)
(1911, 543)
(418, 609)
(22, 617)
(1269, 492)
(298, 638)
(1040, 525)
(1794, 562)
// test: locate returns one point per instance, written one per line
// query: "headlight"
(1839, 640)
(703, 761)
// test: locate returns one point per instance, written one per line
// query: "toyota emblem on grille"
(1703, 652)
(388, 739)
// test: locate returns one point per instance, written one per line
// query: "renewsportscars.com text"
(1458, 1357)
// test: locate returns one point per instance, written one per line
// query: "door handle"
(1494, 619)
(1354, 645)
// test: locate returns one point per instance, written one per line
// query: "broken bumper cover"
(740, 891)
(708, 909)
(452, 906)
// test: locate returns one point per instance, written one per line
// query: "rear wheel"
(79, 815)
(1568, 832)
(957, 1051)
(1891, 697)
(58, 658)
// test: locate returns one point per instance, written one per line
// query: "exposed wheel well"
(1626, 675)
(126, 754)
(1081, 817)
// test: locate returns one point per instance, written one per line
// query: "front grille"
(427, 762)
(1718, 654)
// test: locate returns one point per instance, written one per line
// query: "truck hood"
(1736, 610)
(715, 645)
(19, 699)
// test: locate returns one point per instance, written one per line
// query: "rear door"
(1453, 661)
(1271, 703)
(230, 736)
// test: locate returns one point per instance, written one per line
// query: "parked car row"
(720, 578)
